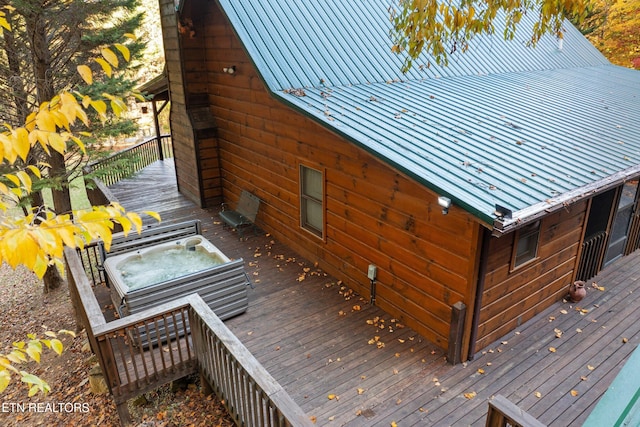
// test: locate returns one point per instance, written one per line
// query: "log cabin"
(461, 199)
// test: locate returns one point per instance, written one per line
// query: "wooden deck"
(318, 340)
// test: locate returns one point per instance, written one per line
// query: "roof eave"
(534, 212)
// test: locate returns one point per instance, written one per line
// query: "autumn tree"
(36, 238)
(613, 26)
(440, 28)
(49, 39)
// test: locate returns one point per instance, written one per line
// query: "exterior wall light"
(229, 70)
(445, 204)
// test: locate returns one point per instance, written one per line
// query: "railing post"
(159, 143)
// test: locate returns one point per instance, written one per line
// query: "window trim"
(528, 230)
(320, 234)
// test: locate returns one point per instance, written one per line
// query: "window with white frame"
(312, 200)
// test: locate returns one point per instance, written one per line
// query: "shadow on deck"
(346, 362)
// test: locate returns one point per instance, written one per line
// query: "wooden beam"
(456, 332)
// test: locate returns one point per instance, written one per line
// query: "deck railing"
(503, 413)
(127, 162)
(148, 349)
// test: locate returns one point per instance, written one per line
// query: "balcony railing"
(187, 337)
(127, 162)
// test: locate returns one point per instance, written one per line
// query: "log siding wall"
(511, 297)
(426, 261)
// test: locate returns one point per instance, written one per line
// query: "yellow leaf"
(100, 106)
(34, 353)
(56, 345)
(105, 66)
(591, 368)
(331, 396)
(393, 424)
(45, 120)
(481, 371)
(21, 142)
(153, 215)
(537, 394)
(360, 390)
(57, 142)
(470, 395)
(85, 73)
(574, 393)
(79, 143)
(118, 107)
(111, 57)
(552, 349)
(124, 51)
(5, 378)
(33, 390)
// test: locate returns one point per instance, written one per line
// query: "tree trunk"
(37, 28)
(52, 279)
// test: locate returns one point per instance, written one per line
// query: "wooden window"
(526, 244)
(312, 200)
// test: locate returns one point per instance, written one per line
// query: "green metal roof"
(504, 124)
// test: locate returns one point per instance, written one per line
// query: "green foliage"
(440, 28)
(21, 353)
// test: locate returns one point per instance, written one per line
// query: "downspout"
(482, 271)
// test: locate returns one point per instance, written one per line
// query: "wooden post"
(502, 412)
(456, 331)
(156, 124)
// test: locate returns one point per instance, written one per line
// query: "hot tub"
(155, 274)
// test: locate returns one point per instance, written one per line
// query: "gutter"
(534, 212)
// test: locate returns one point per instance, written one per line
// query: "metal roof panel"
(503, 124)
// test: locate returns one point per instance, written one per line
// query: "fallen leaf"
(481, 371)
(591, 368)
(360, 390)
(356, 308)
(574, 393)
(563, 311)
(578, 330)
(393, 424)
(470, 395)
(331, 396)
(313, 419)
(583, 378)
(625, 340)
(552, 349)
(537, 394)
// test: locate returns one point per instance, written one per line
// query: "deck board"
(311, 339)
